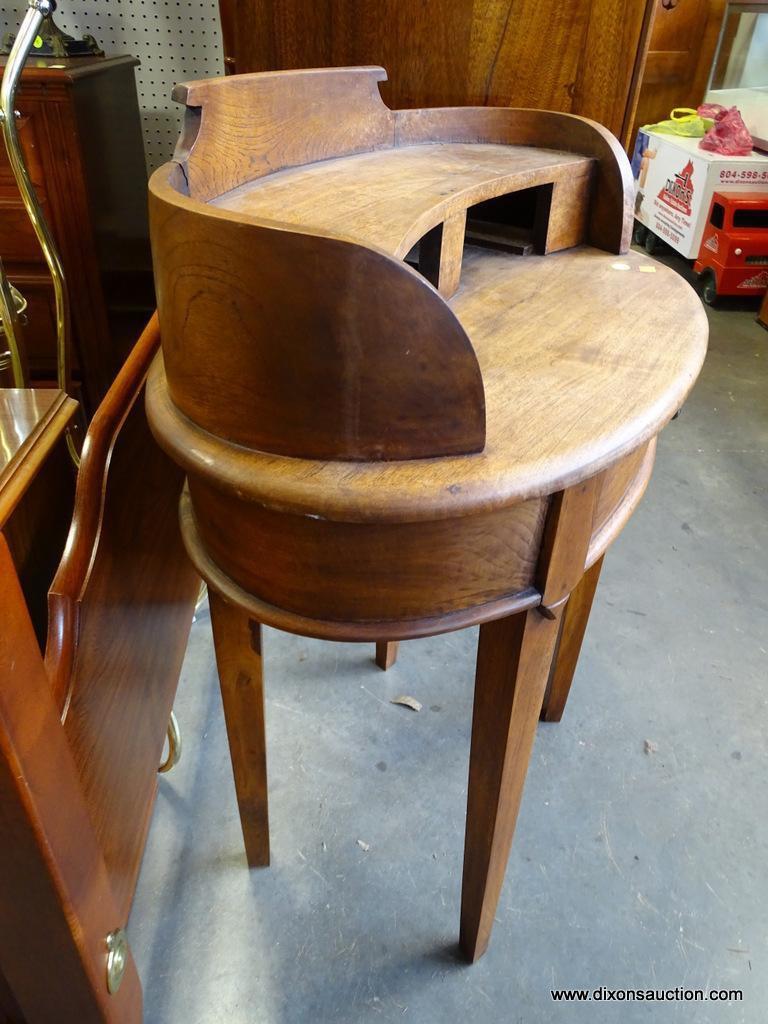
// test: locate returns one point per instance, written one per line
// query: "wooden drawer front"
(616, 482)
(620, 489)
(28, 136)
(18, 241)
(364, 572)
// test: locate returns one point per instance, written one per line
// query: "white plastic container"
(674, 182)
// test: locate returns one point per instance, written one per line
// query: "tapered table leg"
(237, 639)
(386, 653)
(513, 659)
(574, 625)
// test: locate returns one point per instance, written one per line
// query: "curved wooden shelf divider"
(302, 374)
(230, 135)
(389, 373)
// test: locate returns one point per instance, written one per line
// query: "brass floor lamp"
(30, 26)
(12, 308)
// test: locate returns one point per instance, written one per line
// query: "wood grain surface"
(257, 125)
(573, 626)
(36, 530)
(371, 364)
(358, 630)
(80, 133)
(254, 125)
(581, 56)
(621, 488)
(57, 904)
(583, 355)
(762, 316)
(584, 358)
(386, 654)
(334, 350)
(26, 417)
(120, 609)
(513, 657)
(368, 572)
(390, 198)
(679, 61)
(37, 484)
(239, 659)
(609, 211)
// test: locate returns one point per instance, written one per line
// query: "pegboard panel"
(175, 42)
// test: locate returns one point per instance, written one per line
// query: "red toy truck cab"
(733, 258)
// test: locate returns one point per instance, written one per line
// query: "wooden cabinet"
(680, 54)
(81, 135)
(577, 56)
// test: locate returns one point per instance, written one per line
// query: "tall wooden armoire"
(577, 56)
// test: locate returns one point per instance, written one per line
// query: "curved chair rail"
(119, 612)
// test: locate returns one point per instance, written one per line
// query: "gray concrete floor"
(629, 869)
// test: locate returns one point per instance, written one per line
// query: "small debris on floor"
(407, 702)
(650, 747)
(365, 847)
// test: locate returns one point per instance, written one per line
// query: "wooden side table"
(415, 379)
(37, 486)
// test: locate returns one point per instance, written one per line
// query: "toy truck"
(733, 257)
(675, 180)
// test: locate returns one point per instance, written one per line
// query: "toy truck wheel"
(709, 287)
(652, 243)
(639, 234)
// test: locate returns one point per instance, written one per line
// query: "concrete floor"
(629, 869)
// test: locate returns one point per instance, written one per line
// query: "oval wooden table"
(415, 380)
